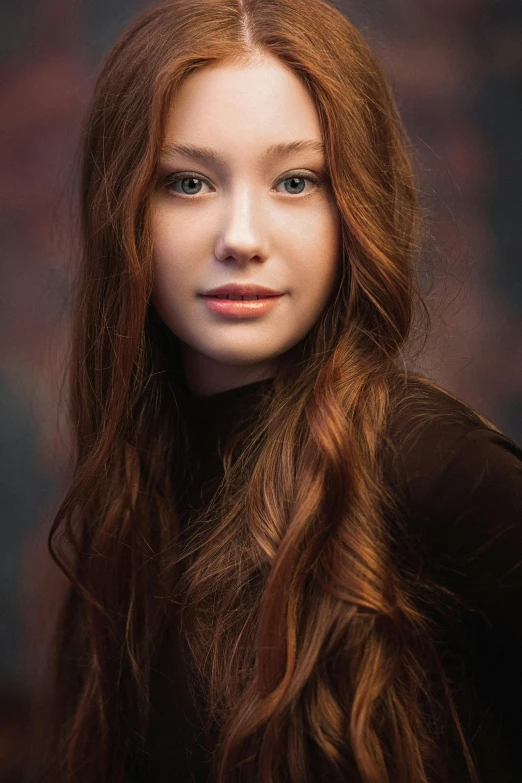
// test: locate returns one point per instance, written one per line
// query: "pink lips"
(241, 308)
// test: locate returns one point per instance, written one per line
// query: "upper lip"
(240, 289)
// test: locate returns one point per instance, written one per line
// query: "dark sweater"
(460, 490)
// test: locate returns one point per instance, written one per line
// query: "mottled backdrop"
(456, 66)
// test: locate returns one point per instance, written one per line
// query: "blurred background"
(456, 67)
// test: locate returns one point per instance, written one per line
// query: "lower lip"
(241, 308)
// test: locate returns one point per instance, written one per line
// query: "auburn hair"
(314, 649)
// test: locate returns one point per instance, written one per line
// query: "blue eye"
(300, 182)
(191, 184)
(193, 188)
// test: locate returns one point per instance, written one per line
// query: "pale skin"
(247, 219)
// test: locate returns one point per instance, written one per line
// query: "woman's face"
(242, 216)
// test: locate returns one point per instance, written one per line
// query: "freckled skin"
(248, 221)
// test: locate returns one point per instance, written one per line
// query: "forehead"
(257, 107)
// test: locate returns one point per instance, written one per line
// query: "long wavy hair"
(315, 651)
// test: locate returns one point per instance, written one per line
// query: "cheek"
(163, 240)
(168, 256)
(321, 246)
(166, 266)
(184, 241)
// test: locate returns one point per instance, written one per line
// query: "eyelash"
(172, 179)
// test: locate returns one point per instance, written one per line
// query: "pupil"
(191, 180)
(299, 181)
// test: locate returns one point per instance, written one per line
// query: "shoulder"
(460, 539)
(439, 448)
(460, 481)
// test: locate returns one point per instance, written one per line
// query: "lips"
(235, 307)
(242, 289)
(240, 298)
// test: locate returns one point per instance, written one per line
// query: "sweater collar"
(215, 410)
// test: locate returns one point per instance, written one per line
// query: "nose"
(241, 236)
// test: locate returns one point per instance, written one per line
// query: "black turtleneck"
(177, 748)
(460, 490)
(209, 421)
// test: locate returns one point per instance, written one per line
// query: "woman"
(291, 559)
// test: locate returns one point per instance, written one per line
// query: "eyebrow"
(273, 152)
